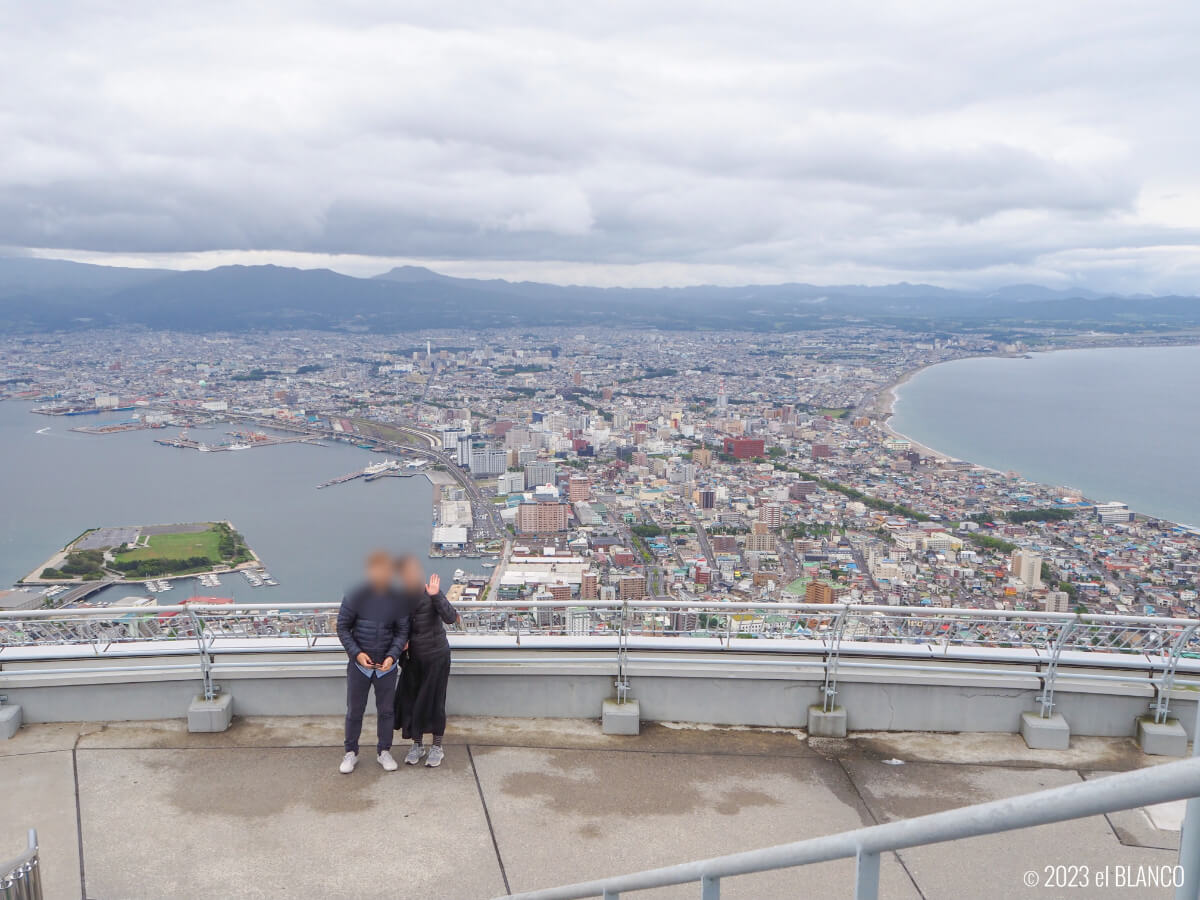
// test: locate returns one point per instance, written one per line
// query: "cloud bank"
(629, 143)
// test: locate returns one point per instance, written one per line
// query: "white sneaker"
(349, 761)
(436, 754)
(385, 759)
(415, 752)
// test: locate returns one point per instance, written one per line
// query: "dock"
(240, 441)
(384, 468)
(114, 428)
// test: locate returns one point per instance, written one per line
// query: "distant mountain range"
(53, 295)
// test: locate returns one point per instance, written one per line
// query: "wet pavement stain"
(597, 785)
(205, 784)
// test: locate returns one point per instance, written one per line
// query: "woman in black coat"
(421, 698)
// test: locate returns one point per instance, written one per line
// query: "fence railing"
(842, 637)
(1101, 796)
(21, 878)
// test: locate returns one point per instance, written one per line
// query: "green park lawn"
(177, 546)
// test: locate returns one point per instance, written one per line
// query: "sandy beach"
(883, 406)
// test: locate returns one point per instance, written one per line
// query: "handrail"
(826, 609)
(839, 632)
(21, 877)
(1158, 784)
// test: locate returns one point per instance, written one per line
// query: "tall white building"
(511, 483)
(1058, 602)
(1113, 512)
(1027, 567)
(488, 461)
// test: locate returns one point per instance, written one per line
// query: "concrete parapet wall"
(706, 686)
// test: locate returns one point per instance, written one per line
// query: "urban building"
(538, 472)
(631, 587)
(541, 518)
(744, 447)
(1026, 566)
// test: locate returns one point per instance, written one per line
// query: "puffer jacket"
(376, 624)
(428, 636)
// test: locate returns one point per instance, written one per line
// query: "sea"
(55, 483)
(1112, 424)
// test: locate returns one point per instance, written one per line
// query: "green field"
(177, 546)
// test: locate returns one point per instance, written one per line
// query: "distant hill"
(40, 295)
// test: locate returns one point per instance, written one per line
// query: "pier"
(381, 469)
(240, 441)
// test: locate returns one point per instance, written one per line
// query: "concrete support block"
(826, 724)
(1165, 739)
(10, 720)
(621, 718)
(210, 715)
(1051, 733)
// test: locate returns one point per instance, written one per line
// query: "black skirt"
(421, 698)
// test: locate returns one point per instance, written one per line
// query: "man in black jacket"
(373, 625)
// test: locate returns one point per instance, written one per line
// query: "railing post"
(623, 654)
(1189, 835)
(1046, 699)
(831, 661)
(866, 876)
(611, 895)
(205, 663)
(710, 888)
(1162, 703)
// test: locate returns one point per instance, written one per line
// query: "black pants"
(357, 687)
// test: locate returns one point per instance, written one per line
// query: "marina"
(311, 541)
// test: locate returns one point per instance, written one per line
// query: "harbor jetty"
(381, 469)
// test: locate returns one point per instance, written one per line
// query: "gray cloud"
(964, 144)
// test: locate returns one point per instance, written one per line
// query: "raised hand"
(434, 586)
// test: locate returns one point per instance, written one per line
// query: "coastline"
(884, 401)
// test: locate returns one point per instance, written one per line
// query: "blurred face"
(412, 576)
(379, 570)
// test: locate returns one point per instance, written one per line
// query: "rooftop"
(135, 810)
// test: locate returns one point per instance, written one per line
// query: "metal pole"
(710, 888)
(1162, 703)
(1189, 835)
(829, 692)
(1047, 696)
(866, 876)
(611, 895)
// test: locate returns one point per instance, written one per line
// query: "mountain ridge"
(50, 295)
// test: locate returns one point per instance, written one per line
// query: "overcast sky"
(961, 143)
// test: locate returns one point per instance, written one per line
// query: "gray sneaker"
(414, 755)
(436, 755)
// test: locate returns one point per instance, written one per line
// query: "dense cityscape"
(577, 465)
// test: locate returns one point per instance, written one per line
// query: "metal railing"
(1158, 784)
(839, 638)
(21, 878)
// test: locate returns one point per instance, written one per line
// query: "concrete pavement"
(261, 811)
